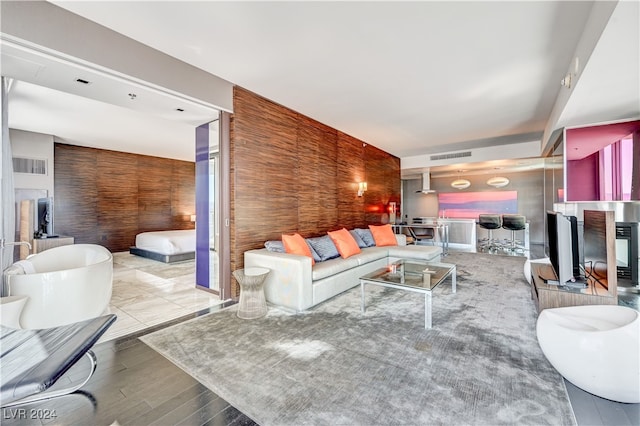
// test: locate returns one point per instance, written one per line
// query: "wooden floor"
(133, 385)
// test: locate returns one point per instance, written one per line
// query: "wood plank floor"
(133, 385)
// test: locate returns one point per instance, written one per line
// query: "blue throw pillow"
(314, 254)
(365, 235)
(324, 247)
(356, 237)
(275, 246)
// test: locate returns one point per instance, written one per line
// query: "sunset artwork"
(471, 204)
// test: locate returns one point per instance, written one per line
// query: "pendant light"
(460, 183)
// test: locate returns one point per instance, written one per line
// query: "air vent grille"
(32, 166)
(451, 155)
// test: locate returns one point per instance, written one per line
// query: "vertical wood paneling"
(293, 174)
(351, 170)
(76, 193)
(375, 198)
(107, 197)
(183, 195)
(117, 203)
(154, 193)
(317, 191)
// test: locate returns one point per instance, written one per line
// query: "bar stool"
(513, 223)
(489, 222)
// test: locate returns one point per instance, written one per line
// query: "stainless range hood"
(426, 184)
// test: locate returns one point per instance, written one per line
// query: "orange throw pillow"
(295, 244)
(344, 242)
(383, 235)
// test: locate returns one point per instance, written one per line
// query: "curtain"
(7, 191)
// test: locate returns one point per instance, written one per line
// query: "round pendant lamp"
(498, 181)
(460, 184)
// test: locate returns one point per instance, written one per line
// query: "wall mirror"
(602, 162)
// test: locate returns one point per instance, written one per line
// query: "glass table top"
(412, 273)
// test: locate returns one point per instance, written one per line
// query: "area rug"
(333, 365)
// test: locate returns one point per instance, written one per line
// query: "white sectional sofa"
(294, 284)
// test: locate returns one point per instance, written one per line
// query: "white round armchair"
(595, 347)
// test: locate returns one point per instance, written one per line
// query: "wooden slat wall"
(290, 173)
(76, 192)
(107, 197)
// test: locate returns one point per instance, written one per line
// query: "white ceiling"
(410, 77)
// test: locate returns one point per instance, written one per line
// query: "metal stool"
(489, 222)
(252, 303)
(513, 223)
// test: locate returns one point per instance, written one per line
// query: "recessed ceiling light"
(82, 80)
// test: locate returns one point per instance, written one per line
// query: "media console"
(553, 296)
(601, 277)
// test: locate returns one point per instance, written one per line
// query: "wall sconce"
(498, 181)
(362, 187)
(460, 184)
(193, 218)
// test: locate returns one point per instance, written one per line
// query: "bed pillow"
(324, 247)
(383, 235)
(344, 242)
(295, 244)
(365, 235)
(357, 238)
(275, 246)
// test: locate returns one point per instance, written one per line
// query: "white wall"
(33, 145)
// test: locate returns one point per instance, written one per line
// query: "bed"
(166, 246)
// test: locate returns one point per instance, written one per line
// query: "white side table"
(252, 303)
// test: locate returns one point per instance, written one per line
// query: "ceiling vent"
(451, 155)
(426, 184)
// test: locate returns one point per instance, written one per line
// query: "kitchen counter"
(461, 231)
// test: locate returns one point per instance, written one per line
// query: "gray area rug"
(479, 364)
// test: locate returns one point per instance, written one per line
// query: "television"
(44, 218)
(564, 254)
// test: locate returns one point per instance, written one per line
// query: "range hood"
(426, 184)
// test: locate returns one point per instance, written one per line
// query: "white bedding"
(167, 242)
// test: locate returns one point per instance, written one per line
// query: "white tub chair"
(595, 347)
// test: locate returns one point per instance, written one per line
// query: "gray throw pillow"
(359, 240)
(365, 235)
(275, 246)
(324, 248)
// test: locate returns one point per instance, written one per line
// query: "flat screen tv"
(562, 232)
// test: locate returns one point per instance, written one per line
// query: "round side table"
(252, 303)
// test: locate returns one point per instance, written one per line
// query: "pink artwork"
(471, 204)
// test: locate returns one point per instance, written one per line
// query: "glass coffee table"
(412, 275)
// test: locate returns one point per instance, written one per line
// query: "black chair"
(513, 223)
(489, 222)
(33, 360)
(422, 234)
